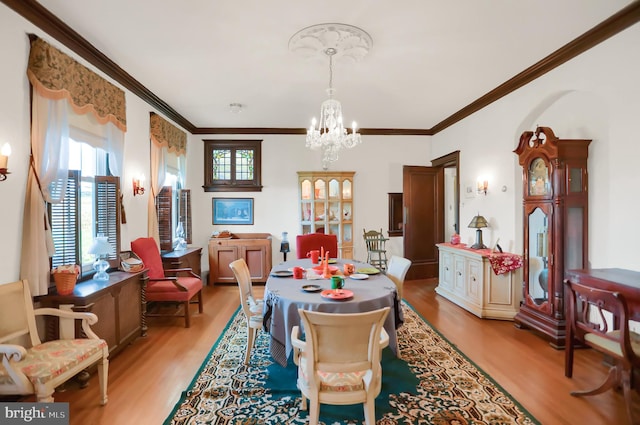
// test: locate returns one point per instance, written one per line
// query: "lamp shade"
(478, 222)
(100, 246)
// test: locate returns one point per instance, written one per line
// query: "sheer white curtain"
(158, 175)
(47, 180)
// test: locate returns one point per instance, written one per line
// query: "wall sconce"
(5, 153)
(138, 185)
(483, 185)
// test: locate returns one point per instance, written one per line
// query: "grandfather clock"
(555, 206)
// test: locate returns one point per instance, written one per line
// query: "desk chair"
(586, 323)
(376, 249)
(161, 288)
(339, 361)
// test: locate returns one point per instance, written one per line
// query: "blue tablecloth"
(284, 296)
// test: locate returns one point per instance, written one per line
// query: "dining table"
(366, 290)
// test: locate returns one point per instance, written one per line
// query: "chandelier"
(332, 40)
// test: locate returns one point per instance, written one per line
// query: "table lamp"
(478, 222)
(284, 245)
(100, 248)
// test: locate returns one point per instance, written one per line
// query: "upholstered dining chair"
(397, 270)
(311, 241)
(339, 360)
(587, 324)
(180, 290)
(30, 366)
(251, 307)
(376, 248)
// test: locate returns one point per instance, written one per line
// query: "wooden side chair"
(586, 323)
(180, 290)
(311, 241)
(339, 360)
(30, 366)
(376, 248)
(251, 307)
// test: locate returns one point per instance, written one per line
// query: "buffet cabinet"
(118, 303)
(255, 248)
(466, 278)
(326, 206)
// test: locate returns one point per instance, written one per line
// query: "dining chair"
(311, 241)
(30, 366)
(180, 290)
(339, 360)
(587, 311)
(397, 270)
(376, 248)
(251, 307)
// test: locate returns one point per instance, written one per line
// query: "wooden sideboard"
(467, 279)
(186, 258)
(255, 248)
(119, 304)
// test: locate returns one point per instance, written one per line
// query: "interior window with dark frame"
(232, 166)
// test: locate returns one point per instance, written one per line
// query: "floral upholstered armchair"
(30, 366)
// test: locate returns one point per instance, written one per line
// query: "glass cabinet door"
(539, 248)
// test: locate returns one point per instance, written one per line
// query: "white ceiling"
(430, 58)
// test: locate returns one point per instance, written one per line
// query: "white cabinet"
(467, 279)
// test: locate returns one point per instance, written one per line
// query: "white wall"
(596, 95)
(377, 163)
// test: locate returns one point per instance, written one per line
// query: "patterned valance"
(166, 134)
(55, 75)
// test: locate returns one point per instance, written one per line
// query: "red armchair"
(311, 241)
(167, 289)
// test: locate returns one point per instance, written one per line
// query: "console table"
(467, 278)
(119, 304)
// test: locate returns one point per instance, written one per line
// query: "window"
(173, 206)
(232, 166)
(91, 205)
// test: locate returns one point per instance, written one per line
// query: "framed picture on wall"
(232, 210)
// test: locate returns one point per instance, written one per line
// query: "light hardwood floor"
(146, 379)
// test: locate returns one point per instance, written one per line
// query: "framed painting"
(232, 210)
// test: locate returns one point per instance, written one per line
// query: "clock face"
(539, 178)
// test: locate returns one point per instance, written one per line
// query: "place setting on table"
(321, 283)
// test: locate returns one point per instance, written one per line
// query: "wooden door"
(423, 204)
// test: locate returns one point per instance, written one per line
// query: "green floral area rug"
(433, 383)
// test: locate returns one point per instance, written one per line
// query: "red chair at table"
(311, 241)
(167, 289)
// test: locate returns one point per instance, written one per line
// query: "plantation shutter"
(108, 213)
(63, 217)
(163, 210)
(185, 213)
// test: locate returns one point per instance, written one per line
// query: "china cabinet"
(326, 206)
(555, 221)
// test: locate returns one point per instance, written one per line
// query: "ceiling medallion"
(339, 41)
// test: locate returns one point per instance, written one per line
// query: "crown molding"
(45, 20)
